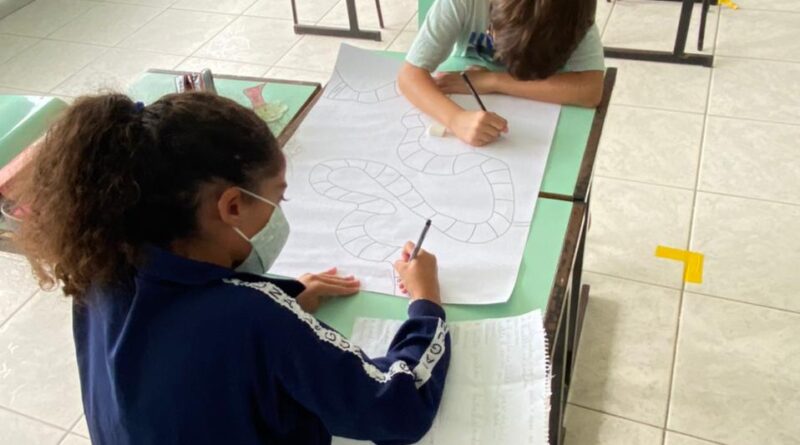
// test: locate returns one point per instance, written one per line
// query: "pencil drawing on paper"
(352, 233)
(338, 89)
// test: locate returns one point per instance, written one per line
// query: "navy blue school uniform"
(193, 353)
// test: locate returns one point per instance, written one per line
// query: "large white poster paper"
(498, 385)
(364, 176)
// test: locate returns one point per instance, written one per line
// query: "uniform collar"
(163, 265)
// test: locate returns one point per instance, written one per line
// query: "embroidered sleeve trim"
(421, 373)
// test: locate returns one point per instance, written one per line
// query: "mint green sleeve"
(588, 56)
(438, 34)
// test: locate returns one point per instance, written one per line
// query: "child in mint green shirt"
(539, 49)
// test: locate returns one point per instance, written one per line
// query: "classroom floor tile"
(653, 146)
(17, 285)
(177, 32)
(771, 5)
(13, 45)
(42, 17)
(289, 73)
(114, 71)
(624, 360)
(46, 64)
(37, 362)
(18, 429)
(660, 85)
(223, 67)
(756, 89)
(251, 39)
(681, 439)
(751, 159)
(644, 24)
(628, 221)
(308, 11)
(403, 41)
(737, 372)
(157, 3)
(72, 439)
(751, 250)
(759, 34)
(602, 14)
(222, 6)
(80, 428)
(106, 24)
(317, 53)
(396, 14)
(588, 427)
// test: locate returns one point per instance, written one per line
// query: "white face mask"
(267, 243)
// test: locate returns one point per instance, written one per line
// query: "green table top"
(153, 85)
(534, 284)
(569, 141)
(23, 119)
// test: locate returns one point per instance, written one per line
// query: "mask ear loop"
(258, 197)
(238, 231)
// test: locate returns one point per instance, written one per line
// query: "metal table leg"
(678, 55)
(353, 31)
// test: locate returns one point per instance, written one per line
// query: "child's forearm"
(420, 89)
(584, 89)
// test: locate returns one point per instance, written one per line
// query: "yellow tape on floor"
(692, 262)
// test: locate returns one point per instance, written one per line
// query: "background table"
(298, 96)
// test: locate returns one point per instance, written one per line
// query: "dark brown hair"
(535, 38)
(113, 176)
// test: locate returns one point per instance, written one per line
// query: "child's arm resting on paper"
(584, 88)
(389, 400)
(473, 127)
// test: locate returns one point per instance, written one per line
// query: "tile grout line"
(703, 294)
(614, 415)
(748, 303)
(608, 18)
(207, 41)
(71, 427)
(687, 189)
(694, 437)
(19, 308)
(35, 419)
(633, 280)
(759, 59)
(108, 49)
(750, 119)
(677, 331)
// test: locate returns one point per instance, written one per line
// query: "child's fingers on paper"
(326, 289)
(408, 247)
(339, 281)
(331, 271)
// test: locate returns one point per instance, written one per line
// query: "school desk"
(569, 170)
(251, 92)
(544, 282)
(549, 278)
(23, 120)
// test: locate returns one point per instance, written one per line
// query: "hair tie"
(138, 107)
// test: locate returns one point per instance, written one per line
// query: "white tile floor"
(691, 158)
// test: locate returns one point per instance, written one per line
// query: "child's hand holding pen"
(417, 268)
(476, 128)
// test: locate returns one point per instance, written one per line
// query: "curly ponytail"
(112, 177)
